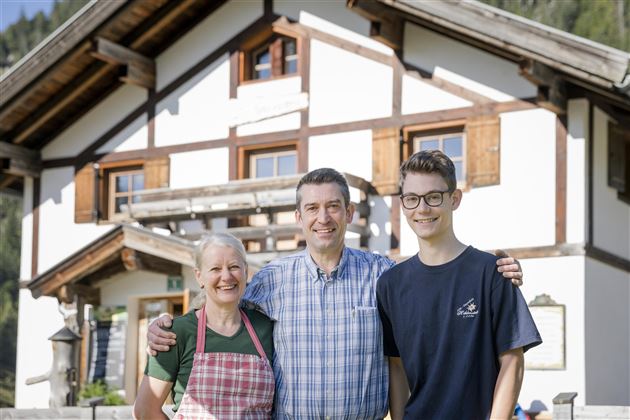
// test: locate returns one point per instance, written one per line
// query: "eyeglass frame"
(422, 197)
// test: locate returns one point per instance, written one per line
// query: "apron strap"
(252, 334)
(201, 330)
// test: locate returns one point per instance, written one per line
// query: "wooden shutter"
(483, 138)
(385, 160)
(156, 173)
(84, 205)
(617, 159)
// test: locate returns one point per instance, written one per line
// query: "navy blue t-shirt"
(449, 324)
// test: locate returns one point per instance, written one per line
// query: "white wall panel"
(95, 122)
(26, 242)
(197, 110)
(607, 335)
(418, 96)
(218, 28)
(255, 93)
(353, 88)
(380, 224)
(464, 65)
(59, 236)
(577, 132)
(133, 137)
(611, 216)
(330, 16)
(199, 168)
(562, 279)
(520, 211)
(349, 152)
(38, 320)
(116, 290)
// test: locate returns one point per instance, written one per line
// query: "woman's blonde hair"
(216, 239)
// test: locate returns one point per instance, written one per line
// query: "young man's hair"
(429, 162)
(323, 176)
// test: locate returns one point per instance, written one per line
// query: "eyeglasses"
(412, 200)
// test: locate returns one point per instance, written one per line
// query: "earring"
(201, 285)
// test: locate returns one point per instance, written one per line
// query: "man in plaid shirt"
(329, 361)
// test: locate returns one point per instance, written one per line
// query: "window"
(453, 146)
(276, 57)
(619, 160)
(123, 186)
(268, 164)
(102, 189)
(268, 161)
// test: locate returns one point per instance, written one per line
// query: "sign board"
(107, 361)
(550, 321)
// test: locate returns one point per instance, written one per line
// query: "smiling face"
(323, 216)
(430, 223)
(222, 274)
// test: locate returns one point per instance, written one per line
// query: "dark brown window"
(275, 57)
(619, 160)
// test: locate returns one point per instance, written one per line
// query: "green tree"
(10, 231)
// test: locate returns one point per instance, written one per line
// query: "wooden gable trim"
(122, 248)
(445, 85)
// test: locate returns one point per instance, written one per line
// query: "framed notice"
(550, 320)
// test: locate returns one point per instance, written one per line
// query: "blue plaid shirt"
(328, 338)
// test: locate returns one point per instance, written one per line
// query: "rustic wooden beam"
(551, 86)
(130, 260)
(137, 69)
(62, 99)
(19, 160)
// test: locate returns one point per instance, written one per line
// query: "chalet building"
(139, 125)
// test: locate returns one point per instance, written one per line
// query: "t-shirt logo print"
(468, 309)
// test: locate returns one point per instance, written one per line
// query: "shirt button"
(327, 417)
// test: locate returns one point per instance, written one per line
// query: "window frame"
(112, 195)
(275, 153)
(413, 135)
(106, 201)
(273, 41)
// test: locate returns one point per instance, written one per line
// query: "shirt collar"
(314, 271)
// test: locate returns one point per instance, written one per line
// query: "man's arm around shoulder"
(508, 384)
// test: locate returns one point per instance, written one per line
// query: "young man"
(454, 330)
(329, 360)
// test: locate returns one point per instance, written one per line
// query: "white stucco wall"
(133, 137)
(37, 320)
(26, 242)
(199, 168)
(563, 279)
(249, 95)
(577, 133)
(197, 110)
(611, 216)
(349, 152)
(116, 290)
(607, 327)
(464, 65)
(520, 211)
(205, 38)
(59, 236)
(418, 96)
(330, 16)
(354, 88)
(97, 122)
(380, 224)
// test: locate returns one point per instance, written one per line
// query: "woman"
(220, 366)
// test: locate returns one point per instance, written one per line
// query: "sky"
(10, 10)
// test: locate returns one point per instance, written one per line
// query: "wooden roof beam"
(19, 161)
(137, 69)
(552, 91)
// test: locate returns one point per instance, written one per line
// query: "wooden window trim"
(273, 38)
(440, 135)
(244, 153)
(112, 194)
(271, 153)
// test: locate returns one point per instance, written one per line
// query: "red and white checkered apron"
(228, 385)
